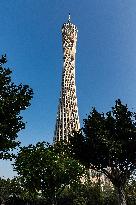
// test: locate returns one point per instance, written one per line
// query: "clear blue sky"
(30, 35)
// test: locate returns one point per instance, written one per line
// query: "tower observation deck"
(67, 117)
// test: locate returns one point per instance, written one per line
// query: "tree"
(45, 171)
(13, 99)
(107, 143)
(9, 188)
(131, 191)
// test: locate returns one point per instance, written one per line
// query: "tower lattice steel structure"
(67, 116)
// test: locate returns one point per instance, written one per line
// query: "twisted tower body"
(67, 116)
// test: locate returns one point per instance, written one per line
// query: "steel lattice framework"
(67, 116)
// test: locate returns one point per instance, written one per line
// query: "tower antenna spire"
(69, 17)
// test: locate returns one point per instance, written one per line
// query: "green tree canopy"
(9, 188)
(47, 171)
(107, 143)
(13, 99)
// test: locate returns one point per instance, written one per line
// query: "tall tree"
(13, 99)
(107, 143)
(46, 170)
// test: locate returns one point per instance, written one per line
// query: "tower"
(67, 117)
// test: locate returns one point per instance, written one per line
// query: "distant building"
(67, 116)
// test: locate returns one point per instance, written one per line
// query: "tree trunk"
(121, 196)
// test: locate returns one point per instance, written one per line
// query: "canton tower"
(67, 116)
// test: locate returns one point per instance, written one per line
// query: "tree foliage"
(46, 171)
(13, 191)
(130, 190)
(13, 99)
(107, 143)
(9, 188)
